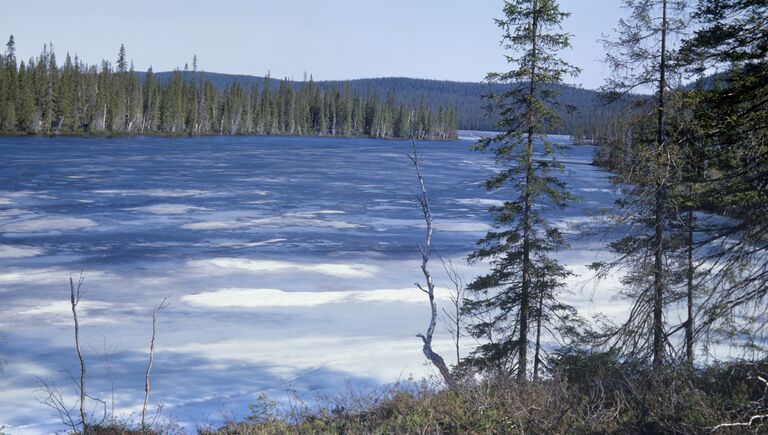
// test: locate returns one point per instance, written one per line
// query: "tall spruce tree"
(8, 85)
(520, 292)
(25, 101)
(640, 59)
(122, 60)
(732, 121)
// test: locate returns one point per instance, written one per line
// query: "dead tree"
(157, 308)
(426, 251)
(74, 297)
(74, 416)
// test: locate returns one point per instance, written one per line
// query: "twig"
(75, 294)
(157, 308)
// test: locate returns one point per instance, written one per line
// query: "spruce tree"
(151, 106)
(640, 59)
(122, 61)
(8, 87)
(521, 291)
(731, 118)
(25, 102)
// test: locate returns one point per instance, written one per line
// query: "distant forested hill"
(590, 119)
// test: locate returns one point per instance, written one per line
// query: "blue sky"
(330, 39)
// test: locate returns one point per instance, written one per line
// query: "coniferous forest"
(593, 117)
(41, 96)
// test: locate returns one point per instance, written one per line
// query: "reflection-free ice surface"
(286, 261)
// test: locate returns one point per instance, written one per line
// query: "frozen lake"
(287, 262)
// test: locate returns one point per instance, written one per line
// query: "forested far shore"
(43, 97)
(591, 118)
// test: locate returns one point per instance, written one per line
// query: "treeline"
(42, 97)
(591, 118)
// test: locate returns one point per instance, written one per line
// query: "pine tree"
(524, 281)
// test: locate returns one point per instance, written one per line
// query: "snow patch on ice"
(595, 189)
(60, 312)
(311, 214)
(13, 212)
(481, 201)
(46, 224)
(292, 219)
(461, 226)
(46, 275)
(161, 193)
(168, 209)
(8, 251)
(240, 245)
(226, 265)
(290, 357)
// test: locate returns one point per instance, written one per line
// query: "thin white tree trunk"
(162, 305)
(426, 251)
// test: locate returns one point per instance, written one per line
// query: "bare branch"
(75, 294)
(157, 308)
(426, 251)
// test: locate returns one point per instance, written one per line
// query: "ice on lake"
(287, 261)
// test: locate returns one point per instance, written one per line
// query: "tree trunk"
(426, 251)
(660, 209)
(149, 364)
(527, 207)
(689, 279)
(537, 353)
(74, 293)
